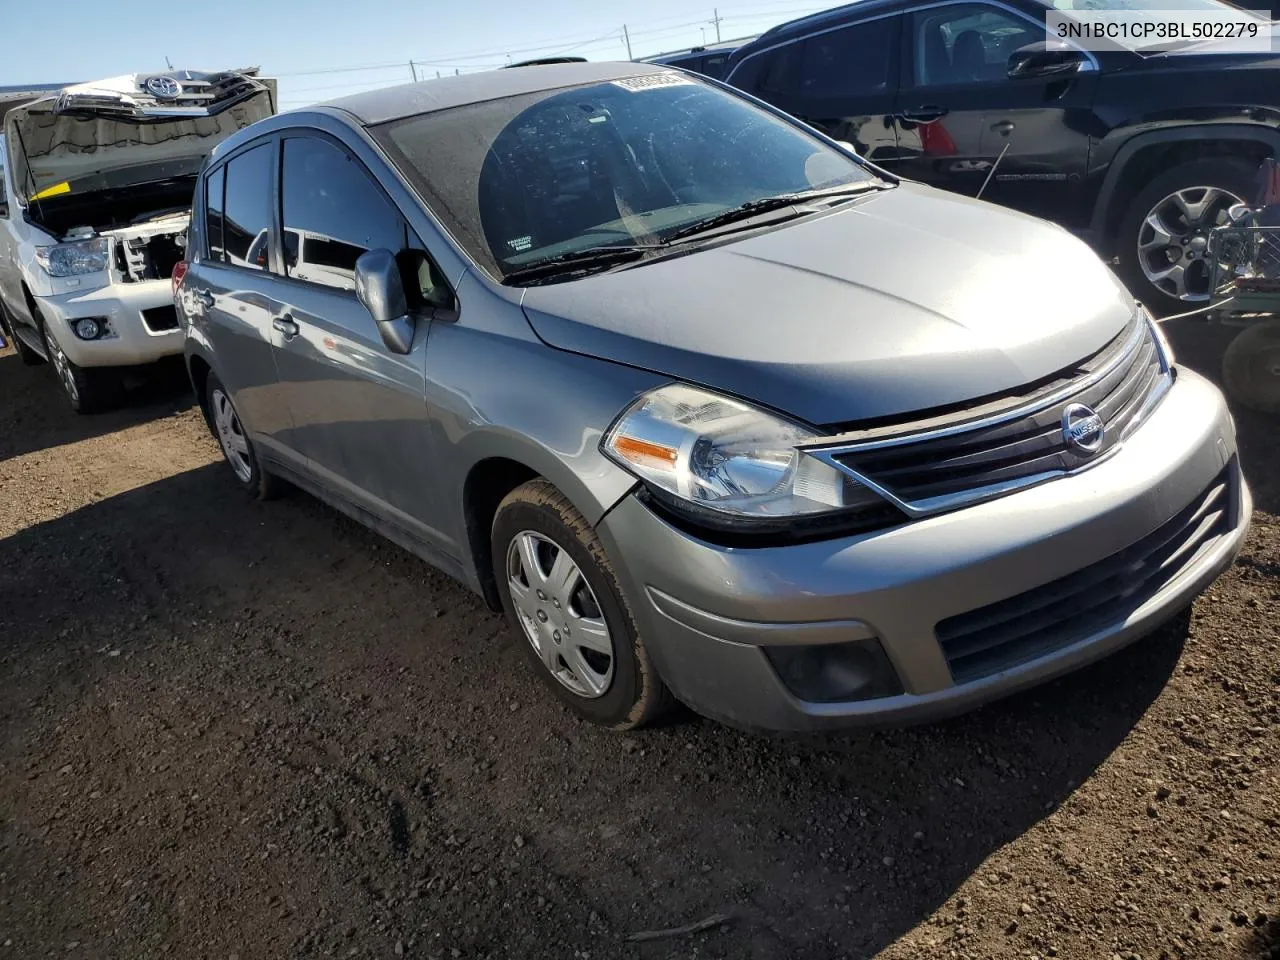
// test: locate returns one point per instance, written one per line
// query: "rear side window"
(246, 221)
(213, 212)
(775, 71)
(850, 61)
(333, 213)
(713, 66)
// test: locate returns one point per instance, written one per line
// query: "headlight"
(70, 259)
(732, 465)
(1162, 342)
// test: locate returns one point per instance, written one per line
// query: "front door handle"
(1004, 127)
(206, 298)
(925, 114)
(286, 326)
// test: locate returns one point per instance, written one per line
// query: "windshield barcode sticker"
(636, 84)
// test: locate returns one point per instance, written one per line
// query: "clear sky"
(309, 44)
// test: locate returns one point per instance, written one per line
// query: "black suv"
(1140, 154)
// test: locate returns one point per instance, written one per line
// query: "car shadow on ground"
(179, 640)
(39, 416)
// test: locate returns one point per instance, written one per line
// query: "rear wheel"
(88, 389)
(561, 596)
(236, 446)
(1251, 367)
(1164, 235)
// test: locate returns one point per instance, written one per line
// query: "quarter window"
(213, 212)
(967, 43)
(333, 213)
(246, 221)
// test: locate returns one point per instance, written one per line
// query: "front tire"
(563, 601)
(1164, 232)
(89, 390)
(237, 448)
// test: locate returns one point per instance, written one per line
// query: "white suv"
(95, 199)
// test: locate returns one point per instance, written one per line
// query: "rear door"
(359, 410)
(842, 80)
(232, 291)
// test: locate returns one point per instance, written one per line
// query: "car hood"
(68, 141)
(906, 300)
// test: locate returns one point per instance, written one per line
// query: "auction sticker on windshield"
(636, 84)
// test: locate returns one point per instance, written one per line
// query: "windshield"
(628, 162)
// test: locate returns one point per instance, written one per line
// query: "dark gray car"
(711, 408)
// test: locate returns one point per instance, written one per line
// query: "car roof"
(410, 99)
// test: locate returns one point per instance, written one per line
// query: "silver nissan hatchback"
(714, 411)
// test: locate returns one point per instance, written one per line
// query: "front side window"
(627, 162)
(246, 220)
(332, 213)
(853, 60)
(967, 43)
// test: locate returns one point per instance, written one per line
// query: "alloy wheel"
(235, 445)
(1173, 240)
(559, 614)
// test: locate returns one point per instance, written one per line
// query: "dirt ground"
(242, 730)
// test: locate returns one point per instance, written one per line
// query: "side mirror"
(1045, 58)
(380, 288)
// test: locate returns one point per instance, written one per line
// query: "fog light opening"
(834, 672)
(87, 328)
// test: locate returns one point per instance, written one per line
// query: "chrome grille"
(972, 457)
(1047, 618)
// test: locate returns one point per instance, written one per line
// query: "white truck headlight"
(77, 257)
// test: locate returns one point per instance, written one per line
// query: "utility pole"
(716, 20)
(414, 71)
(627, 38)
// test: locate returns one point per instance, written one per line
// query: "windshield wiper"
(576, 260)
(753, 208)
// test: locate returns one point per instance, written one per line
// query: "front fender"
(511, 396)
(1116, 149)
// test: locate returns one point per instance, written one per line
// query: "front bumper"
(705, 611)
(134, 342)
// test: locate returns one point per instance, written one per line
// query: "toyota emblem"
(163, 88)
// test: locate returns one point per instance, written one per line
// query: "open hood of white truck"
(126, 129)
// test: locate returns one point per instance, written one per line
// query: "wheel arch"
(504, 461)
(198, 370)
(1146, 154)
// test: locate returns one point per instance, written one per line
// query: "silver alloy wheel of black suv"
(1173, 240)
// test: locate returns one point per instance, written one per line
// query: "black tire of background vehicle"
(1227, 173)
(96, 390)
(1251, 367)
(636, 696)
(260, 484)
(25, 353)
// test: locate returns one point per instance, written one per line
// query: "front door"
(358, 409)
(963, 123)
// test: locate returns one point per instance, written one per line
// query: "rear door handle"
(925, 114)
(286, 326)
(205, 297)
(1004, 127)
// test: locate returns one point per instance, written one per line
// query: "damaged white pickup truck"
(96, 183)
